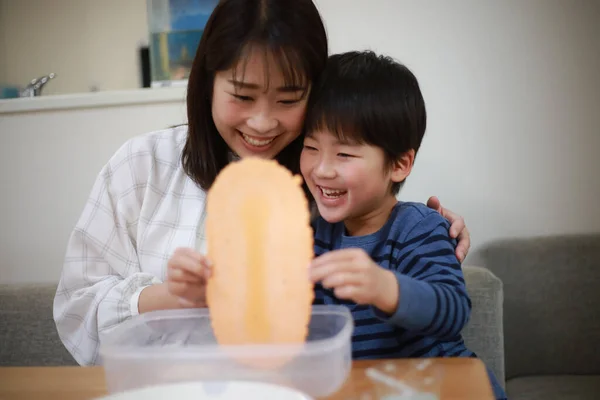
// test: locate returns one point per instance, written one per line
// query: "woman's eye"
(242, 98)
(344, 155)
(288, 102)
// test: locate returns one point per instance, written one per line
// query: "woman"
(138, 244)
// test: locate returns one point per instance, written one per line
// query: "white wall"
(512, 144)
(87, 43)
(513, 96)
(48, 163)
(3, 39)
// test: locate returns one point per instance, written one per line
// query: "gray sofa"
(551, 315)
(484, 333)
(538, 308)
(28, 335)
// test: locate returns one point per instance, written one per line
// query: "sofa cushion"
(554, 387)
(28, 335)
(551, 291)
(483, 333)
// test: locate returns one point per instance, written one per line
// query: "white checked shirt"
(141, 208)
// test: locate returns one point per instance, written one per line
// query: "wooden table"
(463, 378)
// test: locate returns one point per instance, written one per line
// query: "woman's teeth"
(256, 142)
(332, 193)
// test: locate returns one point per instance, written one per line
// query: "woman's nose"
(262, 122)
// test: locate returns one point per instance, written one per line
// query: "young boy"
(392, 263)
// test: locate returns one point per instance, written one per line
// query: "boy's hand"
(353, 275)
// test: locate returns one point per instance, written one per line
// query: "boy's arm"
(432, 298)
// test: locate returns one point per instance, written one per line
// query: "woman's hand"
(185, 286)
(187, 274)
(458, 229)
(353, 275)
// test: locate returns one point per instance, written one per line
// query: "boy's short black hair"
(365, 98)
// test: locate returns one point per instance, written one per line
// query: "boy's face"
(350, 182)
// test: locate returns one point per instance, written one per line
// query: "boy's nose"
(325, 170)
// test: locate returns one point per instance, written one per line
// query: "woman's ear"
(403, 166)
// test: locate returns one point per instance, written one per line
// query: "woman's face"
(257, 114)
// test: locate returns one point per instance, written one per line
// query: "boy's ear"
(402, 166)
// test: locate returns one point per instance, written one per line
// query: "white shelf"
(93, 99)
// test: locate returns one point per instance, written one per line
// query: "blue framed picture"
(176, 27)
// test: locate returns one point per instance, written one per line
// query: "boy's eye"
(344, 155)
(309, 147)
(242, 98)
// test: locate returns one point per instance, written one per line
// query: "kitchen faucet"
(35, 86)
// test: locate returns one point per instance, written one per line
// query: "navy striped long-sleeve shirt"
(433, 306)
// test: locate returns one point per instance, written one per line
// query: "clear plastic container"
(179, 345)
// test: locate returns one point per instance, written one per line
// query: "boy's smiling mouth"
(330, 193)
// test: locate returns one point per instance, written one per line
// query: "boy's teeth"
(332, 192)
(255, 142)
